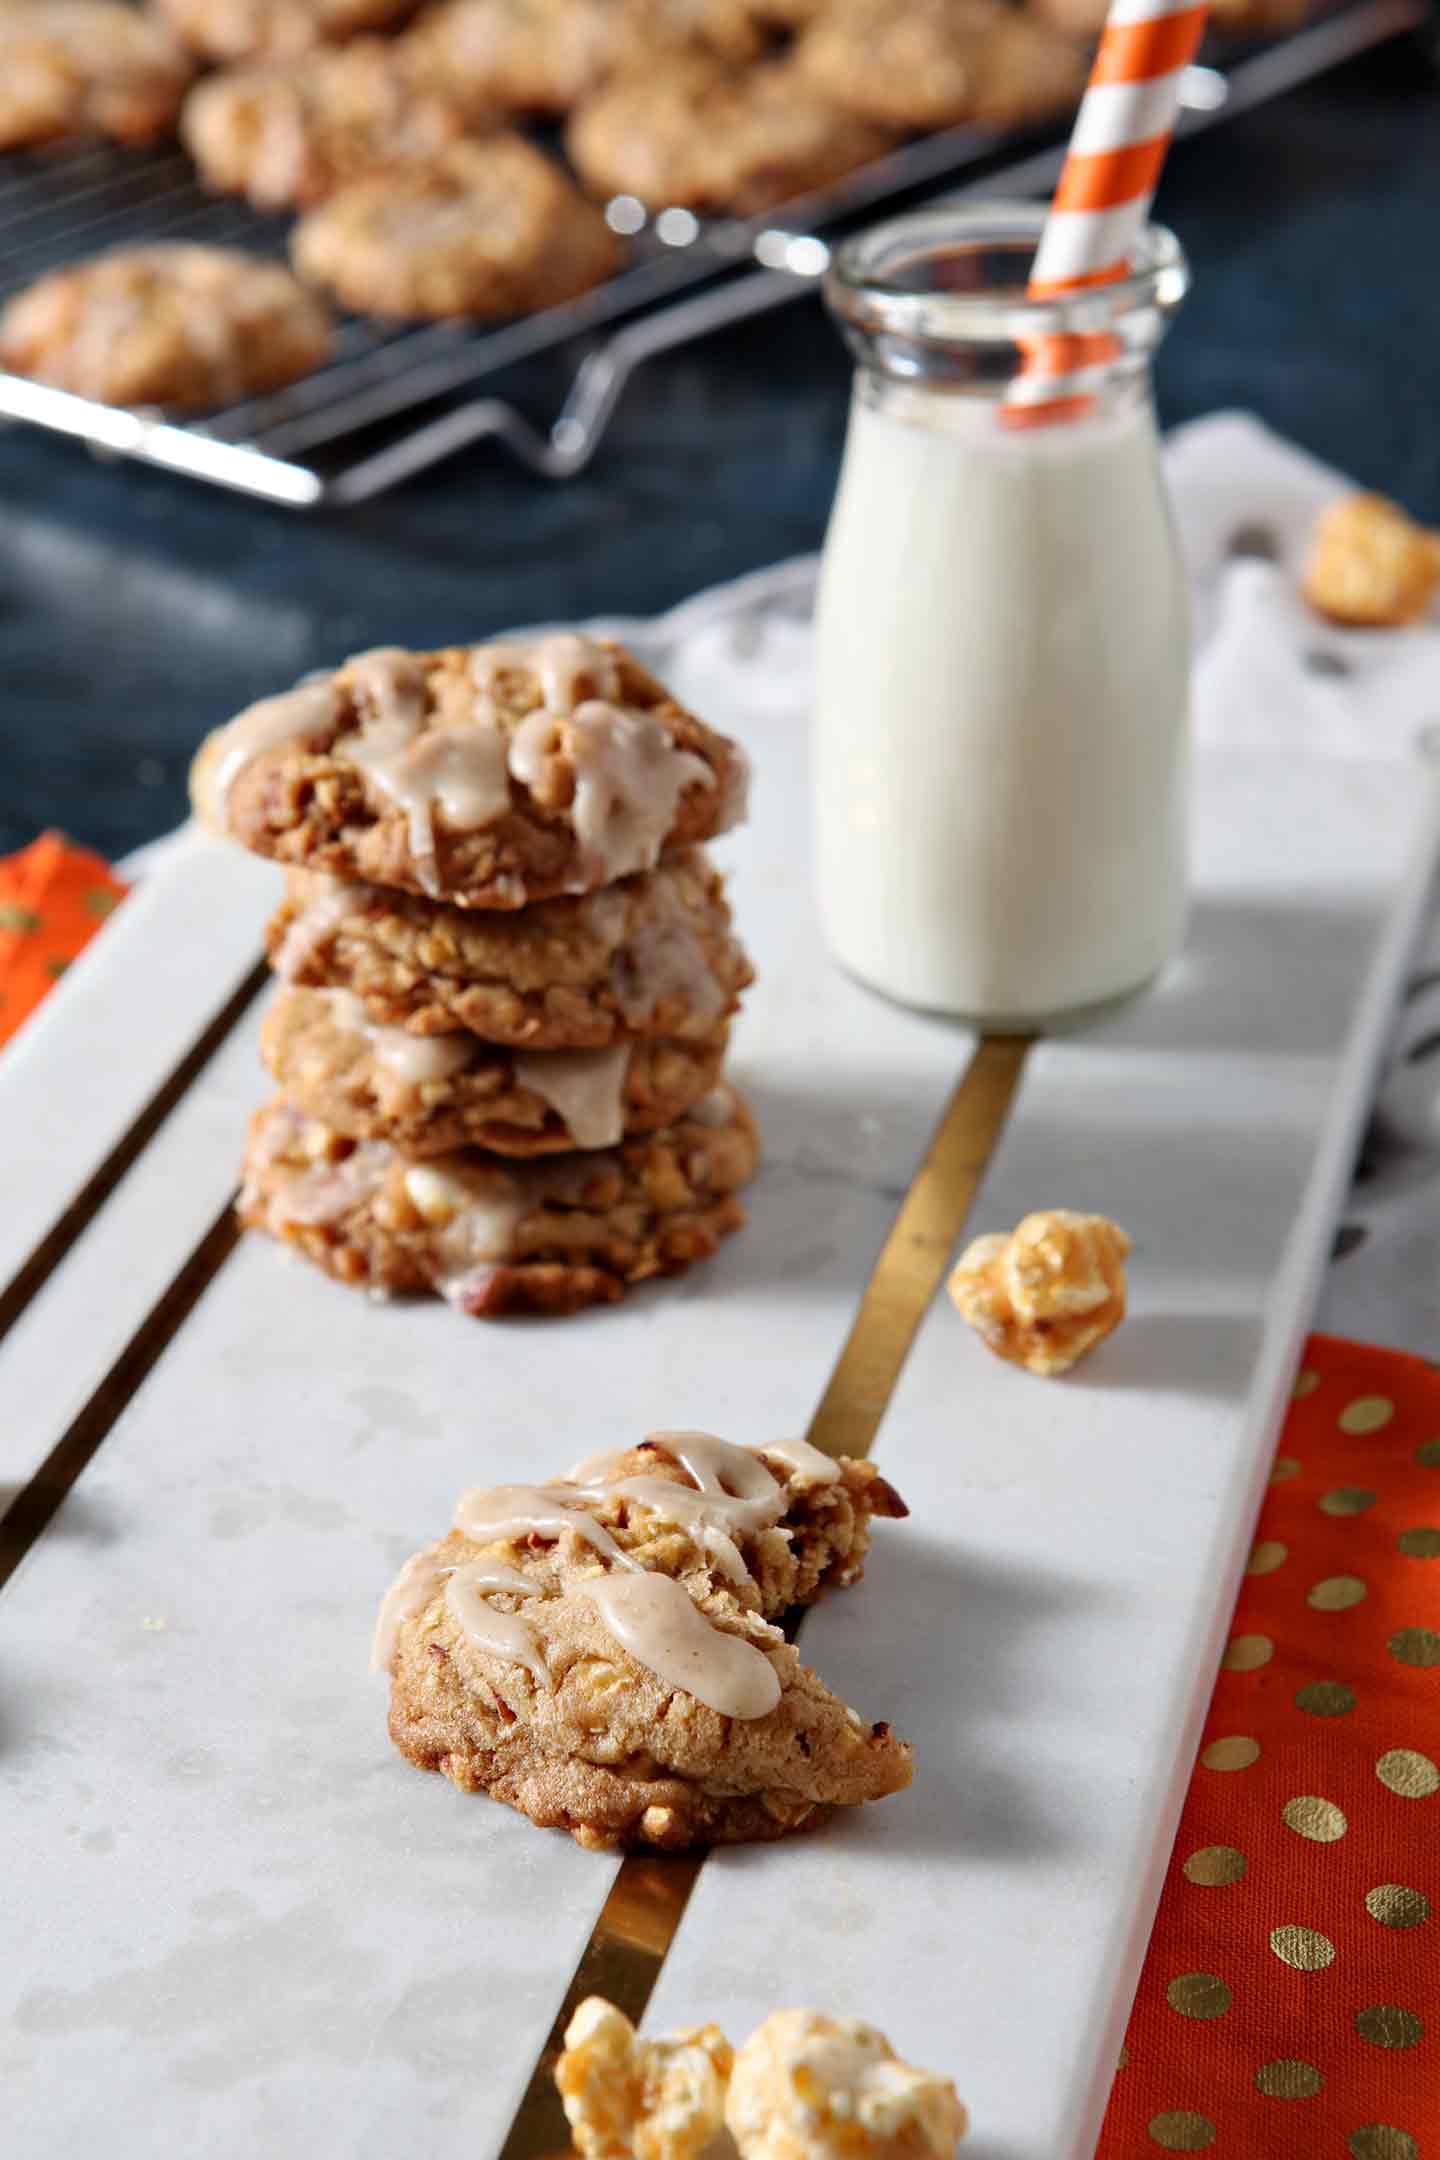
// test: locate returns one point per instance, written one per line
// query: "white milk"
(1000, 733)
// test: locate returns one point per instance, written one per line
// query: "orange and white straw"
(1117, 147)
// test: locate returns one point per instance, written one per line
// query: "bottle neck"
(977, 409)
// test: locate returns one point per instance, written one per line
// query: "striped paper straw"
(1117, 147)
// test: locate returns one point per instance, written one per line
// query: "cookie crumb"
(1046, 1294)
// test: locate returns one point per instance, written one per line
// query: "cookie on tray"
(294, 130)
(483, 229)
(429, 1094)
(704, 136)
(496, 1237)
(242, 29)
(935, 63)
(87, 67)
(651, 955)
(601, 1654)
(489, 775)
(170, 324)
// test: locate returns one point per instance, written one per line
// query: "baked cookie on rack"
(704, 136)
(600, 1652)
(489, 775)
(240, 29)
(170, 324)
(935, 63)
(492, 1237)
(87, 67)
(651, 955)
(484, 228)
(293, 130)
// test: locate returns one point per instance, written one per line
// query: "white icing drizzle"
(713, 1110)
(458, 769)
(420, 1580)
(733, 1491)
(585, 1089)
(331, 901)
(476, 1211)
(321, 1193)
(410, 1059)
(502, 1635)
(808, 1461)
(658, 1622)
(563, 659)
(308, 709)
(664, 960)
(629, 777)
(497, 1514)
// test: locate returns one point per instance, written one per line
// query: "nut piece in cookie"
(650, 2099)
(1046, 1294)
(1370, 565)
(241, 29)
(810, 2087)
(87, 67)
(935, 63)
(170, 324)
(484, 228)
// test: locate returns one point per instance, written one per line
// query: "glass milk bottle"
(1003, 636)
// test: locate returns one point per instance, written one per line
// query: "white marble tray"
(235, 1921)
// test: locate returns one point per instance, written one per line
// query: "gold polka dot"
(1325, 1698)
(1289, 2079)
(1428, 1453)
(1387, 2025)
(1306, 1385)
(1198, 1995)
(1407, 1772)
(1247, 1653)
(1310, 1817)
(1266, 1557)
(1124, 2059)
(1305, 1949)
(1419, 1544)
(1337, 1593)
(1415, 1646)
(1235, 1752)
(1346, 1500)
(1177, 2130)
(1284, 1468)
(1395, 1905)
(1215, 1865)
(1381, 2141)
(1367, 1413)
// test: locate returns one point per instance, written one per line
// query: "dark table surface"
(136, 610)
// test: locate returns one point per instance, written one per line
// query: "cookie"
(499, 1237)
(170, 324)
(241, 29)
(429, 1094)
(936, 63)
(87, 67)
(292, 131)
(488, 775)
(601, 1653)
(482, 229)
(703, 136)
(652, 955)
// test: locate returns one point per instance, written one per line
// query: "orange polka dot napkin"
(1289, 2008)
(53, 898)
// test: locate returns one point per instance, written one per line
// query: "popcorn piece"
(1370, 564)
(810, 2087)
(650, 2099)
(1047, 1293)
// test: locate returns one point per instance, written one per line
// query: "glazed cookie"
(483, 228)
(428, 1094)
(87, 67)
(493, 1238)
(170, 324)
(652, 955)
(240, 29)
(488, 775)
(934, 63)
(703, 136)
(292, 131)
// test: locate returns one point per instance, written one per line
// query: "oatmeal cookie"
(292, 131)
(934, 63)
(243, 29)
(483, 228)
(498, 1237)
(652, 955)
(87, 67)
(488, 775)
(704, 136)
(170, 324)
(430, 1094)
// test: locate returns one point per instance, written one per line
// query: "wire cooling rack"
(386, 405)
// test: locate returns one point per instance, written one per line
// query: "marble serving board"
(236, 1921)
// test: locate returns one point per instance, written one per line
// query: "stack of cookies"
(507, 970)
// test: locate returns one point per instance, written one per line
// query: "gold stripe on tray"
(641, 1916)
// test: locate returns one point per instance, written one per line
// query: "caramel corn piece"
(1371, 565)
(1048, 1292)
(631, 2099)
(810, 2087)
